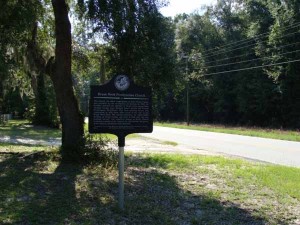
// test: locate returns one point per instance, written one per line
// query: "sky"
(184, 6)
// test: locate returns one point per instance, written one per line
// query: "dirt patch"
(139, 144)
(143, 144)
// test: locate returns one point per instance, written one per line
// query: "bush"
(2, 122)
(99, 149)
(29, 113)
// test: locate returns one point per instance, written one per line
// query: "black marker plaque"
(120, 107)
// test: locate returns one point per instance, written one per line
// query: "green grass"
(172, 143)
(8, 147)
(23, 129)
(159, 188)
(248, 131)
(36, 188)
(109, 136)
(283, 180)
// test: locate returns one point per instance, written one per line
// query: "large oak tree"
(70, 116)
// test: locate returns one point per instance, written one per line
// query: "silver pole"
(121, 178)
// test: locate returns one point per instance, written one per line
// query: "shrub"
(99, 149)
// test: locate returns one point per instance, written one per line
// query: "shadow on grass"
(32, 197)
(70, 195)
(22, 129)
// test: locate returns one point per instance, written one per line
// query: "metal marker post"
(121, 143)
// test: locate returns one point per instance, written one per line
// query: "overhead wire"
(231, 50)
(250, 39)
(251, 60)
(247, 54)
(241, 45)
(253, 38)
(250, 68)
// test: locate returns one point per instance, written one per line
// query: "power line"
(251, 60)
(216, 53)
(250, 68)
(251, 39)
(233, 57)
(247, 54)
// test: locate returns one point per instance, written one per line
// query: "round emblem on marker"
(122, 82)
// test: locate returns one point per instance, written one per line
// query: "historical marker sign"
(120, 107)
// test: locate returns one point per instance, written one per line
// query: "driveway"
(260, 149)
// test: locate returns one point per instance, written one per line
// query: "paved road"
(262, 149)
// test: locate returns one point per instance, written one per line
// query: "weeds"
(100, 149)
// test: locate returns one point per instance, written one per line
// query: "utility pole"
(187, 92)
(186, 57)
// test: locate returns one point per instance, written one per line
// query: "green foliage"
(15, 18)
(94, 150)
(235, 35)
(86, 65)
(23, 54)
(29, 113)
(99, 149)
(138, 41)
(47, 114)
(15, 103)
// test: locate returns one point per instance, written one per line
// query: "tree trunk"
(37, 65)
(1, 97)
(70, 116)
(102, 71)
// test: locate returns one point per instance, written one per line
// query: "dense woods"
(243, 63)
(236, 62)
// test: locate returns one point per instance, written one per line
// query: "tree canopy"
(235, 62)
(248, 58)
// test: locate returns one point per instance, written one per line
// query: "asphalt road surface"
(260, 149)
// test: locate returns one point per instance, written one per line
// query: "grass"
(284, 180)
(109, 136)
(23, 129)
(36, 188)
(172, 143)
(159, 188)
(248, 131)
